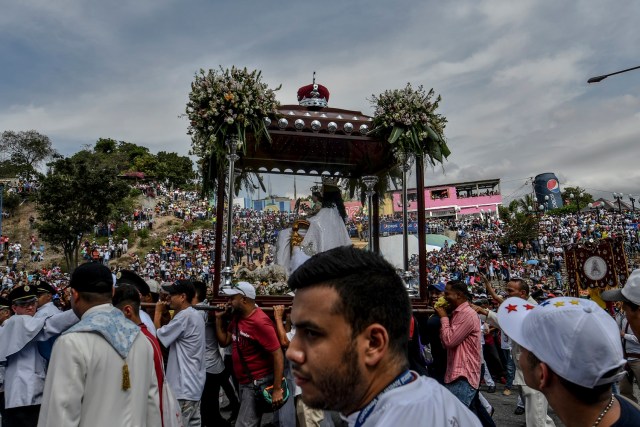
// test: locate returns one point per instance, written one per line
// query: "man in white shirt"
(25, 366)
(349, 350)
(184, 335)
(46, 307)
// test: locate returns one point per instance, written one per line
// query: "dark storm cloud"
(512, 74)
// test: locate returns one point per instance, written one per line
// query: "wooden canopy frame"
(322, 141)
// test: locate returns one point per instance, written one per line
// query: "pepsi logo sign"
(553, 186)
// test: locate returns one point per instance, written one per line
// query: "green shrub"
(143, 234)
(10, 202)
(124, 231)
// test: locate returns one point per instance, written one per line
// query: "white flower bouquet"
(407, 118)
(228, 102)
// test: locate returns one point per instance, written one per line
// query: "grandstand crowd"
(479, 246)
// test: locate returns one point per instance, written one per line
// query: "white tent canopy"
(391, 248)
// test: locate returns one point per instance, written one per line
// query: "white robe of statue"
(326, 231)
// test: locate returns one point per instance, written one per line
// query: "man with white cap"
(629, 295)
(254, 336)
(571, 352)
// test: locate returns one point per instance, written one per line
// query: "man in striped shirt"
(460, 336)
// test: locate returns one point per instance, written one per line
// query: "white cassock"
(85, 378)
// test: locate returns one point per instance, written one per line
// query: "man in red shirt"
(257, 356)
(127, 299)
(460, 335)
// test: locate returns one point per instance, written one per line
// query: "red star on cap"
(529, 306)
(512, 307)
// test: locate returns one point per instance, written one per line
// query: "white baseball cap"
(243, 288)
(630, 292)
(575, 337)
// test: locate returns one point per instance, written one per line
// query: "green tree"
(10, 201)
(146, 163)
(520, 227)
(8, 169)
(528, 201)
(576, 197)
(26, 150)
(105, 146)
(78, 193)
(174, 169)
(132, 150)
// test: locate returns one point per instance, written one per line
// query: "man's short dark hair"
(369, 288)
(201, 290)
(126, 294)
(522, 284)
(183, 286)
(459, 286)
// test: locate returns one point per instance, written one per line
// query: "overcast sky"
(512, 74)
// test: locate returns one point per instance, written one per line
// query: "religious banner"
(598, 265)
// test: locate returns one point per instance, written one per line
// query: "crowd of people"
(131, 353)
(171, 340)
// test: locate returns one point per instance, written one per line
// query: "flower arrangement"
(407, 118)
(228, 102)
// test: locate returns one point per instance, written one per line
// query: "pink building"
(454, 200)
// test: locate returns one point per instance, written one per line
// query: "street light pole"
(233, 143)
(577, 198)
(618, 197)
(598, 79)
(597, 208)
(633, 205)
(370, 181)
(405, 160)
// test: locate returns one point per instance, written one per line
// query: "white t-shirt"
(422, 402)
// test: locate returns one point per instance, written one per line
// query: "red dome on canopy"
(313, 95)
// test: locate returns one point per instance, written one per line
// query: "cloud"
(512, 75)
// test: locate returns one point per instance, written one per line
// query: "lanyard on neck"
(402, 379)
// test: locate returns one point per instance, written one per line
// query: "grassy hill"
(17, 228)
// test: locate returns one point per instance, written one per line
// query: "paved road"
(506, 405)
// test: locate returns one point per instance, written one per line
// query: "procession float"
(239, 131)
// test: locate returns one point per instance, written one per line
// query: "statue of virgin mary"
(326, 228)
